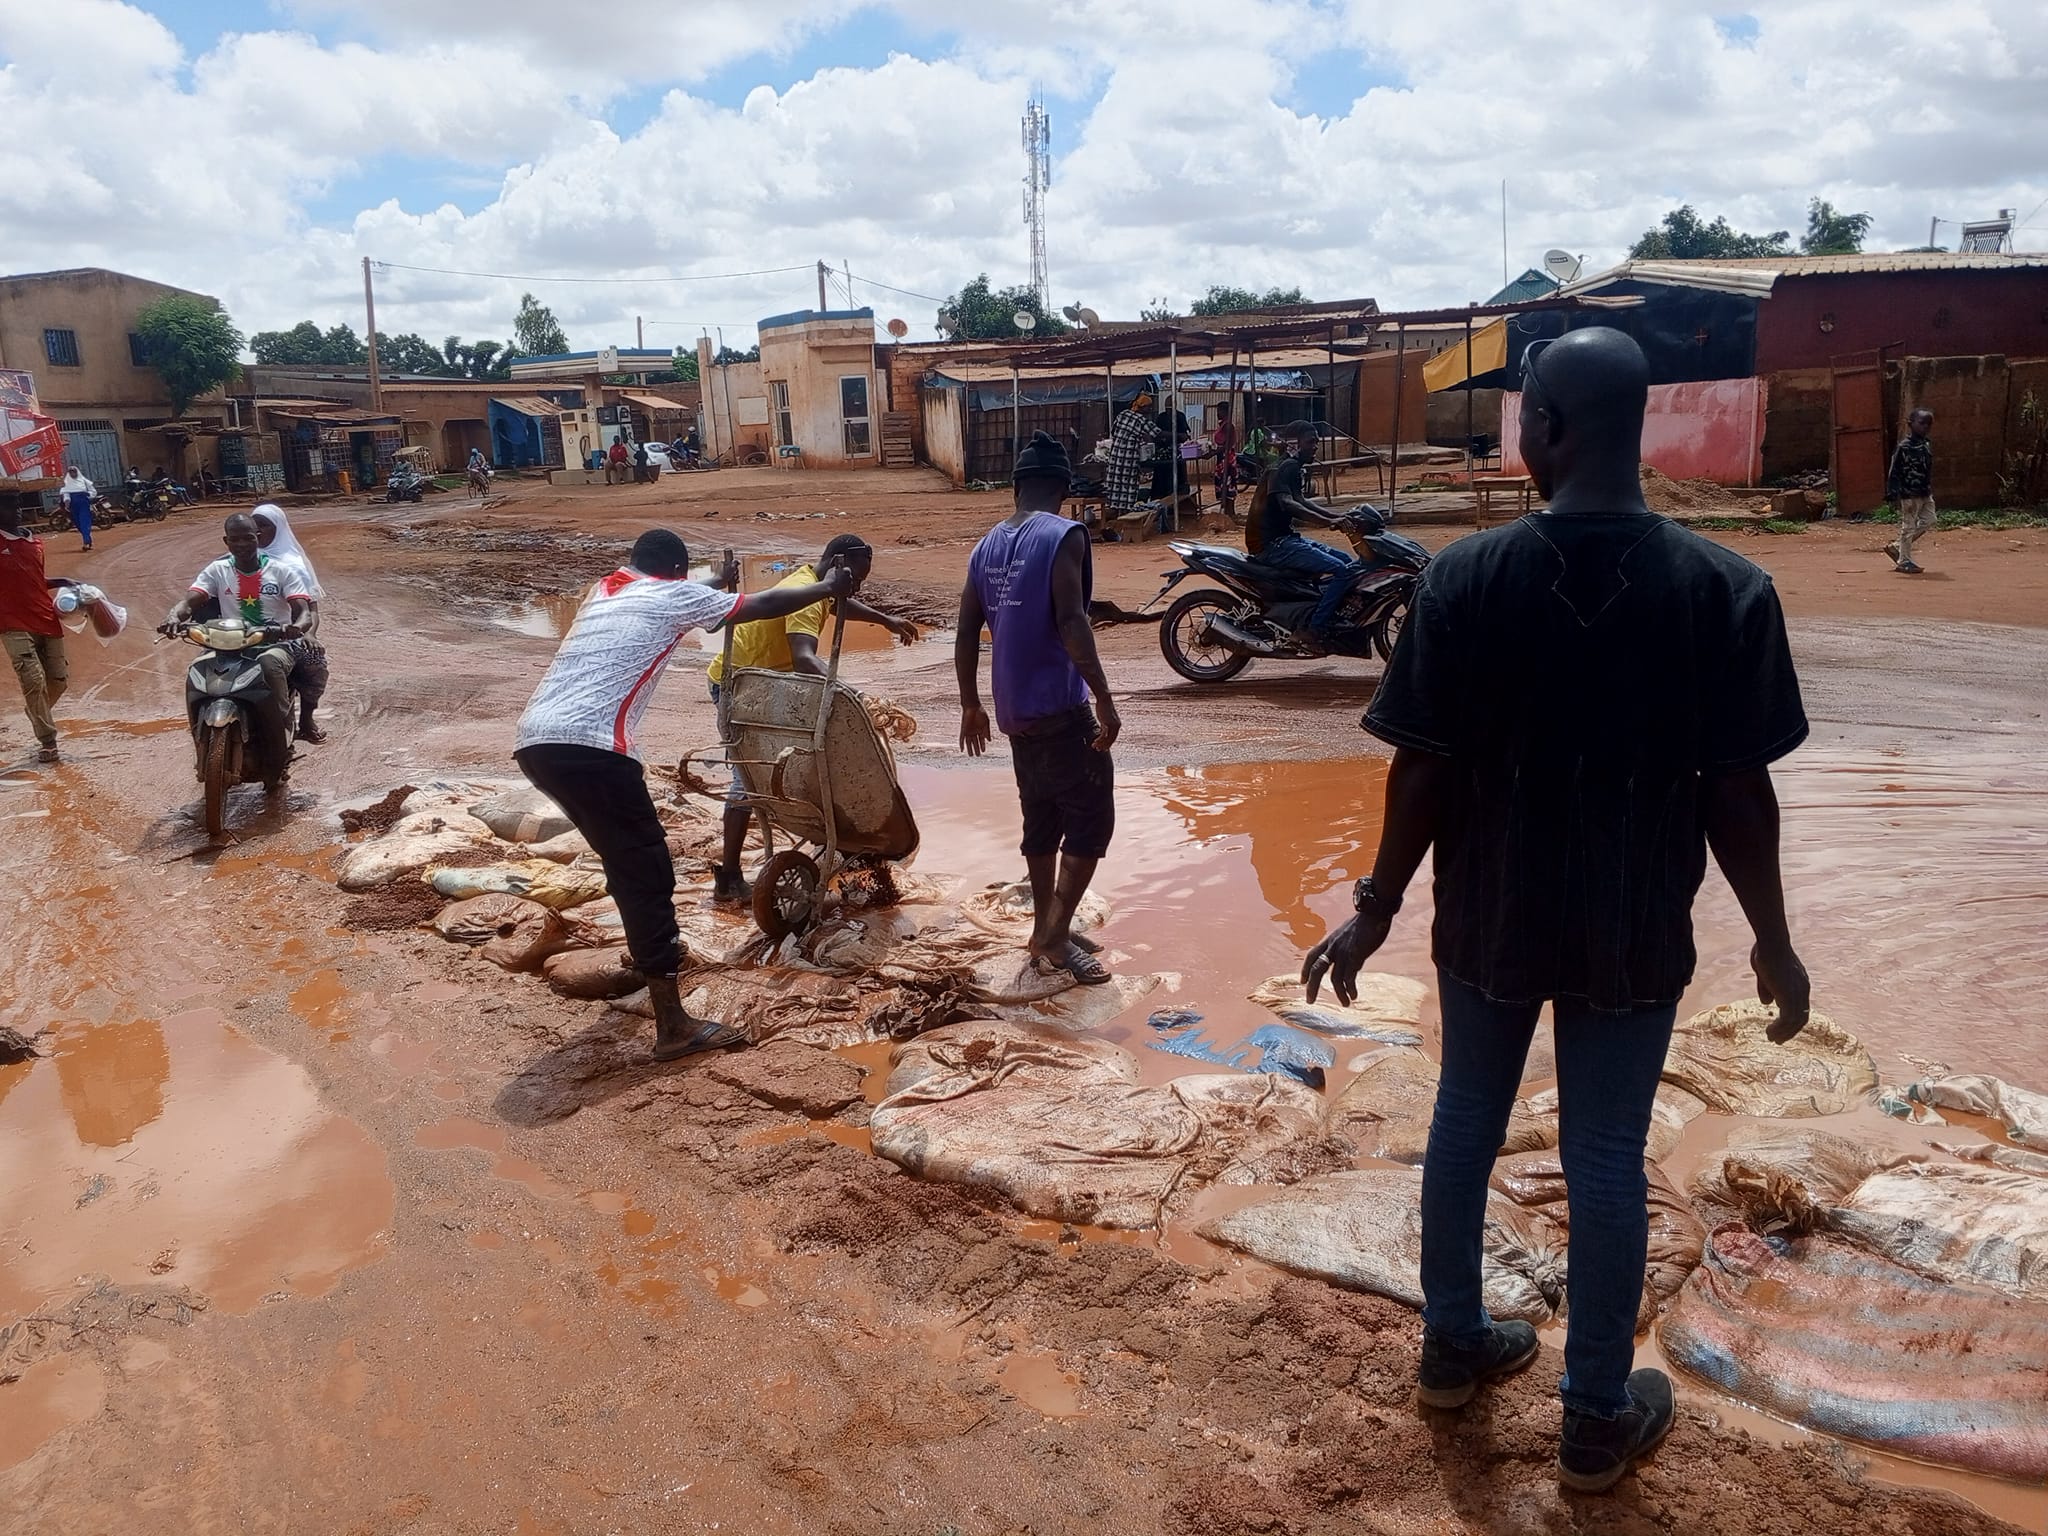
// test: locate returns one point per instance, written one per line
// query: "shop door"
(96, 450)
(1859, 439)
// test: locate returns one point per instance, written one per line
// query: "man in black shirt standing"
(1287, 501)
(1582, 703)
(1909, 486)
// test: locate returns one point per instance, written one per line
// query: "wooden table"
(1519, 488)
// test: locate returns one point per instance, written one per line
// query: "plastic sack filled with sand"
(1724, 1058)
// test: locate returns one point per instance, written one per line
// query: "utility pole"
(822, 270)
(640, 332)
(370, 316)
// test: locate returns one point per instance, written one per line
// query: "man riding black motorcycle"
(1286, 502)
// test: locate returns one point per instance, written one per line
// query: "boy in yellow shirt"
(791, 645)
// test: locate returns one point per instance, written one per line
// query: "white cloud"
(1179, 166)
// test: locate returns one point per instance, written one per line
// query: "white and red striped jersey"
(604, 676)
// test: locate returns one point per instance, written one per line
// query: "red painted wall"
(1711, 431)
(1915, 314)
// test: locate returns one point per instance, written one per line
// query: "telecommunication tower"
(1037, 177)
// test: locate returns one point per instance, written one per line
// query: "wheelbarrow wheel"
(783, 894)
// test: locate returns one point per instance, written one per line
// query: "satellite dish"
(1562, 265)
(1024, 320)
(1072, 312)
(949, 322)
(1088, 317)
(898, 329)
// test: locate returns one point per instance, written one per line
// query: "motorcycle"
(480, 480)
(405, 484)
(223, 690)
(1209, 636)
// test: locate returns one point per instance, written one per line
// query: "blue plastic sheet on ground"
(1272, 1048)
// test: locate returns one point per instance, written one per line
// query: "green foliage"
(1990, 519)
(536, 331)
(479, 359)
(735, 355)
(1829, 233)
(1224, 300)
(684, 370)
(1684, 236)
(1157, 310)
(307, 343)
(192, 345)
(979, 313)
(410, 354)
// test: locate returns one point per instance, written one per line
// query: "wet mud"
(685, 1298)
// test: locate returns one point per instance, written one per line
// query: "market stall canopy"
(1453, 368)
(529, 405)
(658, 403)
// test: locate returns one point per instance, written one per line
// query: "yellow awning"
(1450, 367)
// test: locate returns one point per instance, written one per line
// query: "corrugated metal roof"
(1757, 275)
(530, 405)
(656, 402)
(1142, 367)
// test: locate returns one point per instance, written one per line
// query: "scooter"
(223, 690)
(480, 480)
(405, 484)
(1210, 636)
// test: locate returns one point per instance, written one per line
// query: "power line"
(910, 293)
(519, 277)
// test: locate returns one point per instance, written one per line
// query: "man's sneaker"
(47, 753)
(1451, 1373)
(1908, 568)
(1594, 1453)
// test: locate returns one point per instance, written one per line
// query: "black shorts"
(1068, 789)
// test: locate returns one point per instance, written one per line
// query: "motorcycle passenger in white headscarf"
(309, 660)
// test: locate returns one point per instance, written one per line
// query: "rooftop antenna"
(1037, 178)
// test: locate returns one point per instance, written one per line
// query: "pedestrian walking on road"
(29, 629)
(1582, 703)
(1909, 486)
(1029, 581)
(576, 745)
(77, 492)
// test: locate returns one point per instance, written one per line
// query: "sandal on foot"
(1077, 963)
(713, 1037)
(1086, 945)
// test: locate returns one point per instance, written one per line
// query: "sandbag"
(2022, 1111)
(1818, 1334)
(591, 973)
(1953, 1221)
(445, 819)
(1535, 1181)
(370, 865)
(1362, 1229)
(1724, 1057)
(522, 815)
(1783, 1178)
(552, 885)
(857, 941)
(1385, 1110)
(1060, 1128)
(566, 849)
(1387, 1009)
(2015, 1158)
(1006, 911)
(479, 919)
(446, 794)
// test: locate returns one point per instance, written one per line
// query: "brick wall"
(1799, 410)
(1969, 398)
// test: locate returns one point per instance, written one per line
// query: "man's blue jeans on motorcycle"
(1292, 552)
(1608, 1065)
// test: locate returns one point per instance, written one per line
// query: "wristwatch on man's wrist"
(1368, 900)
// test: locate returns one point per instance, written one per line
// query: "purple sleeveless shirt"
(1033, 677)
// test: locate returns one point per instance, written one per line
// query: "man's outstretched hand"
(1782, 979)
(1340, 955)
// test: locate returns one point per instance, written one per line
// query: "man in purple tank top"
(1029, 581)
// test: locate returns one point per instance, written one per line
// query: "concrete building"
(817, 399)
(75, 331)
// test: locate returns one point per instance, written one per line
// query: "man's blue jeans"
(1607, 1070)
(1292, 552)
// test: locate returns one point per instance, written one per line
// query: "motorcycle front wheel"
(216, 754)
(1183, 638)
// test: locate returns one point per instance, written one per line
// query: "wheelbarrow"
(808, 763)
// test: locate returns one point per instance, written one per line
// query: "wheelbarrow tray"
(773, 718)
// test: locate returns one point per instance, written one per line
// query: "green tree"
(409, 354)
(478, 359)
(735, 355)
(306, 343)
(536, 331)
(979, 313)
(191, 344)
(1684, 236)
(684, 369)
(1158, 310)
(1222, 299)
(1829, 233)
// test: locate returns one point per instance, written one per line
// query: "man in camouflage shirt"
(1910, 488)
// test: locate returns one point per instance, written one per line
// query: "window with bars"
(61, 348)
(853, 415)
(138, 350)
(778, 400)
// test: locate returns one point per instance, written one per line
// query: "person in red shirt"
(1223, 446)
(29, 630)
(617, 464)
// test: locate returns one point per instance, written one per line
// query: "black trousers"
(605, 794)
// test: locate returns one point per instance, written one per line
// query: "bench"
(1519, 489)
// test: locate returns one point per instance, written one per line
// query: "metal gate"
(1859, 438)
(96, 449)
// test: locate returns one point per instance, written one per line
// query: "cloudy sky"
(258, 149)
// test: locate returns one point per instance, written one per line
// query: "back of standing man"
(1582, 703)
(1029, 581)
(1909, 486)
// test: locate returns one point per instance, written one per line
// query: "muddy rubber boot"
(1452, 1374)
(730, 890)
(676, 1034)
(1594, 1454)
